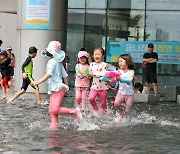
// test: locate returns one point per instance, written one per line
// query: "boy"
(5, 72)
(27, 69)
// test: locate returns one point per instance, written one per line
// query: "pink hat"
(82, 53)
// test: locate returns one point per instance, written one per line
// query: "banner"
(37, 14)
(168, 52)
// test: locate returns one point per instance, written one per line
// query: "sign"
(37, 14)
(168, 52)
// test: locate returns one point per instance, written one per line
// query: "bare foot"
(3, 97)
(39, 102)
(118, 119)
(78, 114)
(10, 100)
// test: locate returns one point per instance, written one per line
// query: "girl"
(82, 80)
(98, 88)
(56, 87)
(125, 92)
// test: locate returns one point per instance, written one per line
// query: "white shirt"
(126, 83)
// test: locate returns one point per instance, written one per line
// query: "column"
(39, 35)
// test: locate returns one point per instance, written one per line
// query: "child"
(125, 91)
(12, 64)
(98, 88)
(27, 70)
(5, 72)
(138, 87)
(82, 80)
(56, 87)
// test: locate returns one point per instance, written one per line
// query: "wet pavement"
(24, 126)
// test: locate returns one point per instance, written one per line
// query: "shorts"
(27, 81)
(5, 81)
(150, 77)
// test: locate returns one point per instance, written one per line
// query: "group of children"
(85, 71)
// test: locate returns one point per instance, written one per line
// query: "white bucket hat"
(54, 48)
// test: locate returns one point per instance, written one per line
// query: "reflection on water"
(155, 129)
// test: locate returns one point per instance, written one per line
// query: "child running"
(56, 88)
(98, 88)
(5, 72)
(27, 71)
(125, 91)
(82, 80)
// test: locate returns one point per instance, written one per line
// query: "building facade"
(90, 24)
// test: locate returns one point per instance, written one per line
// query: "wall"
(8, 23)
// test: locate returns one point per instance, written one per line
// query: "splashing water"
(25, 129)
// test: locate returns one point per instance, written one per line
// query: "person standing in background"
(1, 42)
(150, 73)
(12, 64)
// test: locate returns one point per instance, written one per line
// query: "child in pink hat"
(82, 80)
(56, 88)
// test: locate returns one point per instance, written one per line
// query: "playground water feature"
(24, 126)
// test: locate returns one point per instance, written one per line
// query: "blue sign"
(168, 52)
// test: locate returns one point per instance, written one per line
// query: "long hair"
(129, 60)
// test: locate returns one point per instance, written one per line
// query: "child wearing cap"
(12, 64)
(82, 80)
(27, 70)
(5, 72)
(55, 73)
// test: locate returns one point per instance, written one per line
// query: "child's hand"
(91, 75)
(118, 78)
(24, 75)
(34, 83)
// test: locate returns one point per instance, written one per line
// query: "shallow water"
(24, 129)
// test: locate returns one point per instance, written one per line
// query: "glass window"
(138, 4)
(136, 26)
(76, 3)
(121, 4)
(75, 34)
(162, 25)
(126, 25)
(163, 4)
(96, 4)
(95, 30)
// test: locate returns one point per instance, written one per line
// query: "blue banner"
(168, 52)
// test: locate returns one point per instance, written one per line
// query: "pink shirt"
(81, 79)
(99, 70)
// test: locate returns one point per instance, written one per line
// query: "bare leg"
(38, 96)
(148, 87)
(3, 93)
(16, 95)
(155, 88)
(8, 91)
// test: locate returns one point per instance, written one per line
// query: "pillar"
(39, 36)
